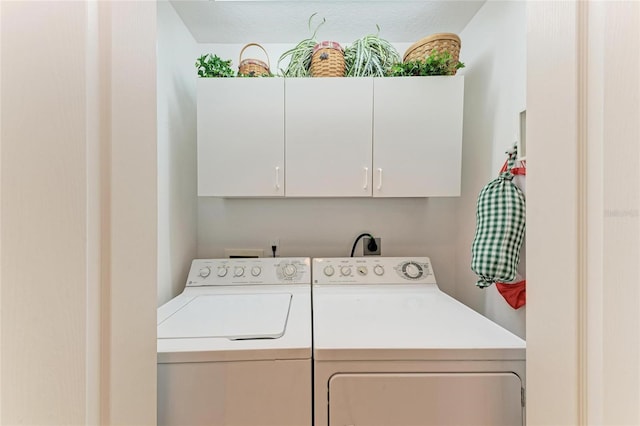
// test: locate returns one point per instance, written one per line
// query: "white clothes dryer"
(234, 348)
(390, 348)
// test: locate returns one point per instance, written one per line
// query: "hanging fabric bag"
(515, 293)
(500, 227)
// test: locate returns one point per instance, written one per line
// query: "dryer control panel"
(373, 270)
(261, 270)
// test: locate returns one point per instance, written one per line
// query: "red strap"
(519, 171)
(515, 294)
(522, 170)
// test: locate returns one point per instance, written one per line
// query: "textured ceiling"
(267, 21)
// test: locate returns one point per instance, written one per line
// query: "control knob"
(329, 271)
(222, 271)
(289, 270)
(256, 270)
(378, 270)
(345, 270)
(205, 272)
(238, 271)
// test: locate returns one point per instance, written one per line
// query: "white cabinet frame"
(330, 137)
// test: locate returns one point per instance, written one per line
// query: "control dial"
(378, 270)
(256, 270)
(222, 271)
(362, 270)
(205, 272)
(289, 270)
(238, 271)
(412, 270)
(345, 270)
(328, 270)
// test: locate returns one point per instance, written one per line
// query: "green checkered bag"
(500, 226)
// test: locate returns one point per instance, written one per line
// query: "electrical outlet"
(368, 252)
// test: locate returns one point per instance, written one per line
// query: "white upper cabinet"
(241, 137)
(328, 133)
(330, 137)
(417, 136)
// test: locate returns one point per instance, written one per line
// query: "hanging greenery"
(300, 55)
(370, 56)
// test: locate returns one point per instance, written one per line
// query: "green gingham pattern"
(500, 226)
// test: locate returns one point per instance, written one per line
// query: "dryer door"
(409, 399)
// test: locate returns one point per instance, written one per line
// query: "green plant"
(435, 64)
(300, 55)
(370, 56)
(210, 65)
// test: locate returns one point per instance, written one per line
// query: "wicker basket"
(327, 60)
(253, 67)
(441, 42)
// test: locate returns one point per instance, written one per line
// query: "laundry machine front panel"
(426, 399)
(237, 393)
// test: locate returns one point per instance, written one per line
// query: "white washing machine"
(390, 348)
(235, 347)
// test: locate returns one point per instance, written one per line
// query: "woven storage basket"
(253, 67)
(327, 60)
(441, 42)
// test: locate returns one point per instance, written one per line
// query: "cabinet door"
(417, 136)
(240, 137)
(328, 137)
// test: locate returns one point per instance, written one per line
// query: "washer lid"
(231, 316)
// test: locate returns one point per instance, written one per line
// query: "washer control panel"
(261, 270)
(372, 270)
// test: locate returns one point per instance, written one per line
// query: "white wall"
(613, 218)
(494, 50)
(132, 256)
(44, 258)
(583, 322)
(555, 351)
(78, 262)
(177, 199)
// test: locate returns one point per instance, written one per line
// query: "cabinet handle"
(277, 178)
(366, 178)
(379, 179)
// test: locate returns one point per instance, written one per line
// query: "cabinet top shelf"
(458, 76)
